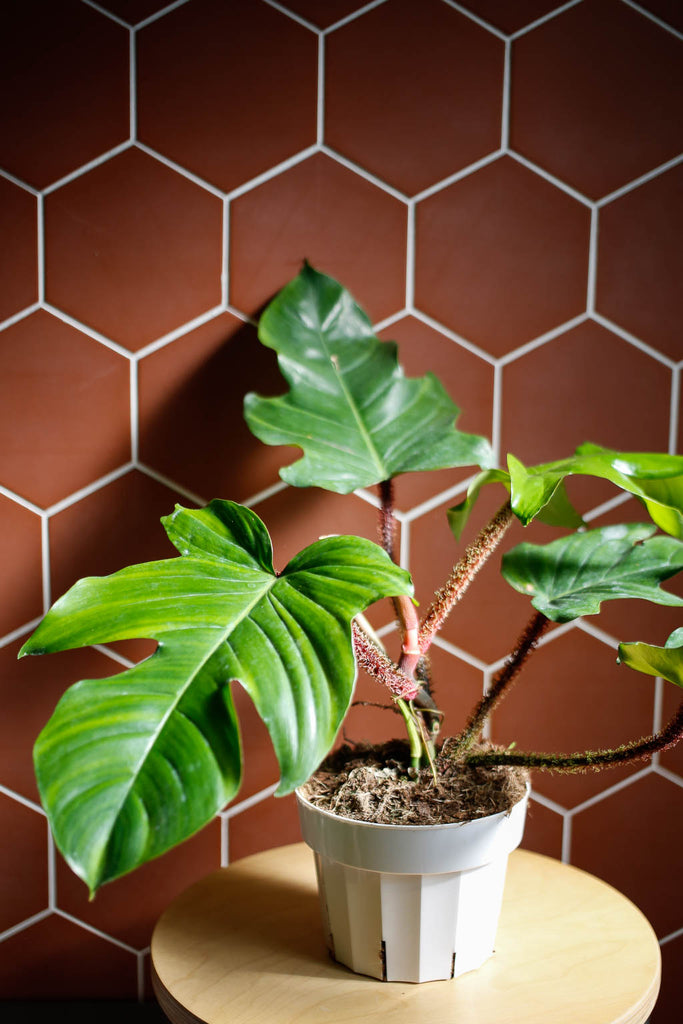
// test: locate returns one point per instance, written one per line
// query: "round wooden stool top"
(245, 945)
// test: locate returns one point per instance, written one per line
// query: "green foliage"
(666, 661)
(571, 576)
(358, 419)
(130, 766)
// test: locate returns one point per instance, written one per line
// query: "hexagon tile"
(501, 186)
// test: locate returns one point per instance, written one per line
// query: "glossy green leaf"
(666, 661)
(573, 575)
(557, 511)
(350, 408)
(656, 479)
(130, 766)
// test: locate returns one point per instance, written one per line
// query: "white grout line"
(90, 166)
(389, 321)
(94, 931)
(86, 329)
(555, 332)
(40, 246)
(642, 180)
(251, 801)
(497, 413)
(92, 488)
(134, 410)
(464, 172)
(113, 655)
(16, 634)
(320, 101)
(671, 936)
(368, 497)
(106, 13)
(339, 158)
(274, 172)
(21, 315)
(352, 17)
(46, 568)
(549, 804)
(23, 925)
(459, 653)
(546, 17)
(567, 822)
(425, 318)
(557, 182)
(51, 869)
(161, 13)
(668, 775)
(178, 332)
(675, 403)
(411, 239)
(505, 112)
(267, 492)
(225, 255)
(292, 15)
(438, 499)
(653, 17)
(225, 842)
(597, 633)
(606, 506)
(173, 485)
(616, 788)
(24, 502)
(179, 169)
(17, 181)
(610, 325)
(31, 804)
(476, 19)
(592, 262)
(658, 707)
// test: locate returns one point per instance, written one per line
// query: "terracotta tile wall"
(500, 184)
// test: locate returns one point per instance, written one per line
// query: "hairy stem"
(637, 750)
(502, 682)
(475, 557)
(406, 612)
(377, 664)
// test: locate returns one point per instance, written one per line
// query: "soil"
(378, 784)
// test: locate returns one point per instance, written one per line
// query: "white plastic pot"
(411, 902)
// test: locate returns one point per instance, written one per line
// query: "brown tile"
(190, 399)
(596, 96)
(64, 418)
(668, 1007)
(669, 11)
(640, 264)
(30, 689)
(111, 528)
(133, 249)
(444, 74)
(23, 863)
(128, 908)
(510, 17)
(20, 555)
(631, 840)
(467, 379)
(260, 763)
(325, 14)
(65, 89)
(134, 11)
(543, 831)
(672, 759)
(563, 393)
(501, 256)
(322, 212)
(18, 226)
(572, 696)
(242, 96)
(272, 822)
(56, 959)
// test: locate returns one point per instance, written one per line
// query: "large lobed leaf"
(571, 576)
(350, 408)
(130, 766)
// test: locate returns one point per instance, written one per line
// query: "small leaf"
(356, 416)
(130, 766)
(572, 576)
(666, 662)
(655, 478)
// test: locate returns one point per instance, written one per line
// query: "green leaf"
(130, 766)
(573, 575)
(350, 408)
(666, 662)
(655, 478)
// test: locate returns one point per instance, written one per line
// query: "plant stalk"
(475, 557)
(502, 682)
(377, 664)
(637, 750)
(406, 612)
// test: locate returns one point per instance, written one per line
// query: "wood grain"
(244, 945)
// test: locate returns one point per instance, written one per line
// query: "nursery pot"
(411, 902)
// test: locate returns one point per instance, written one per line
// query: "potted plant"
(130, 766)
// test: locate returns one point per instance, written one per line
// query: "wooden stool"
(245, 945)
